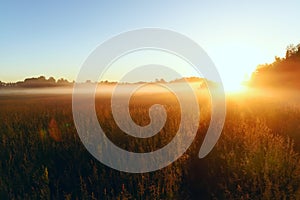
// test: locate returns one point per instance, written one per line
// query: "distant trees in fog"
(39, 82)
(42, 81)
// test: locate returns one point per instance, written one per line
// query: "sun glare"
(236, 60)
(233, 85)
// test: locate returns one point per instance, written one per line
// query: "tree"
(41, 78)
(62, 82)
(277, 59)
(291, 50)
(160, 80)
(51, 80)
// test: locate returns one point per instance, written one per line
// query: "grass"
(43, 158)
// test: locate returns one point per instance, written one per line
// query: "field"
(42, 157)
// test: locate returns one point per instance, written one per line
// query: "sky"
(54, 38)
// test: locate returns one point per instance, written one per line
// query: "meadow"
(256, 157)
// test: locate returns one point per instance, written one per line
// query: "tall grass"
(43, 158)
(255, 164)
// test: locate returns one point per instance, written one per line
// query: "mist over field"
(150, 100)
(259, 145)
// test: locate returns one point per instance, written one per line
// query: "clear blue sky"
(54, 38)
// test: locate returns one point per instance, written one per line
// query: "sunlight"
(234, 82)
(234, 65)
(233, 87)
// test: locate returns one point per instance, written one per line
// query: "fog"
(282, 95)
(148, 88)
(28, 91)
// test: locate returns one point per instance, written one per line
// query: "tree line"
(283, 72)
(42, 81)
(39, 82)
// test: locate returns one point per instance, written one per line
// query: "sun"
(236, 60)
(233, 87)
(234, 84)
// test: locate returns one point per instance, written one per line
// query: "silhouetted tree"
(283, 71)
(51, 80)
